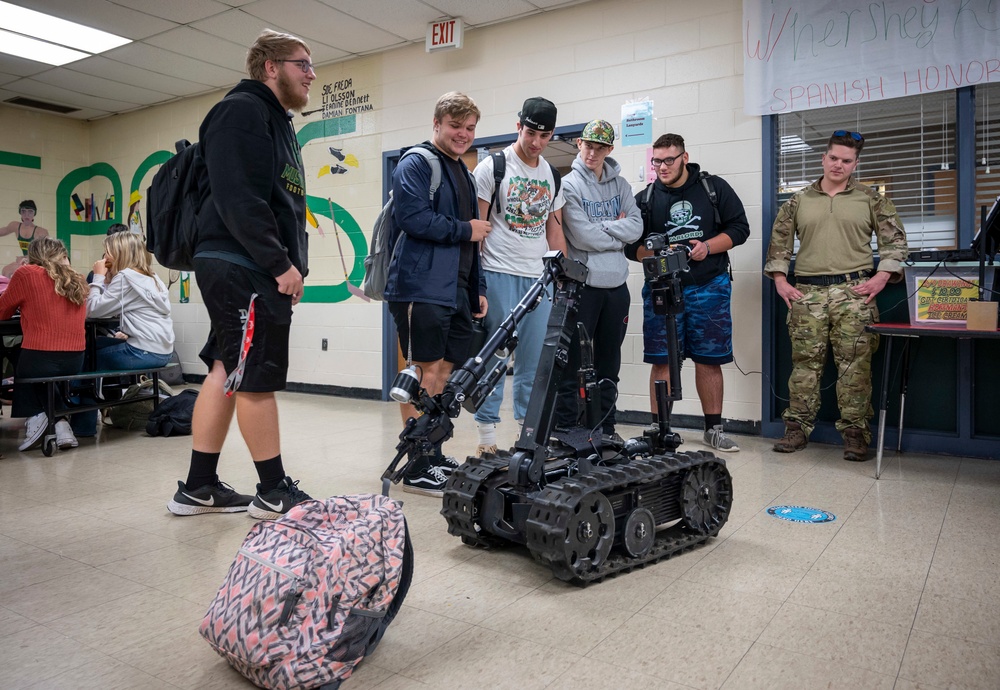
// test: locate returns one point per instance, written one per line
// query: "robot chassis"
(587, 506)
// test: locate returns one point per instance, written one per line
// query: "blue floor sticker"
(800, 514)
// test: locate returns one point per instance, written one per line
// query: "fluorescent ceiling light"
(54, 30)
(39, 51)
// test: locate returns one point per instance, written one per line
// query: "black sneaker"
(211, 498)
(429, 481)
(446, 464)
(276, 502)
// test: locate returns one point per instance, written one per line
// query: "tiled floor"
(100, 587)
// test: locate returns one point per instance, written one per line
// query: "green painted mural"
(67, 225)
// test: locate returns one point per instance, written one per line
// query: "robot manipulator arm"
(469, 385)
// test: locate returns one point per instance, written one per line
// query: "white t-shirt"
(517, 242)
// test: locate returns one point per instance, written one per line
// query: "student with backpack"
(435, 286)
(250, 261)
(704, 213)
(523, 207)
(52, 298)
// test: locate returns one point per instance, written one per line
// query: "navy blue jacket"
(425, 268)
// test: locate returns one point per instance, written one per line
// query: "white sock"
(487, 434)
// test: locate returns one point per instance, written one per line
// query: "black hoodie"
(685, 213)
(253, 198)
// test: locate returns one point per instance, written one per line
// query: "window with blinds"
(987, 148)
(908, 156)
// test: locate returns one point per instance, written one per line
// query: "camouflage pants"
(838, 315)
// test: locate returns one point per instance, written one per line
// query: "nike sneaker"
(211, 498)
(276, 502)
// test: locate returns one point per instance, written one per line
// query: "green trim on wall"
(152, 160)
(20, 160)
(345, 225)
(334, 127)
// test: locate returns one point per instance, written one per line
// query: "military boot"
(855, 448)
(793, 440)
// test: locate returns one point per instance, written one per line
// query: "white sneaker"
(34, 428)
(65, 438)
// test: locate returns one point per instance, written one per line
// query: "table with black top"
(889, 332)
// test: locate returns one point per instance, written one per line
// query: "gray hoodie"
(142, 305)
(595, 234)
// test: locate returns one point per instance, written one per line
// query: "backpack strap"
(706, 182)
(499, 173)
(645, 209)
(557, 176)
(432, 161)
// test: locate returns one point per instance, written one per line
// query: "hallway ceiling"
(184, 48)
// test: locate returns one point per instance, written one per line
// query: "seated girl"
(125, 288)
(52, 298)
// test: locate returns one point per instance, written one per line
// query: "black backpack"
(500, 171)
(706, 182)
(173, 202)
(173, 416)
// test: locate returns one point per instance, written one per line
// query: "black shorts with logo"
(436, 332)
(226, 289)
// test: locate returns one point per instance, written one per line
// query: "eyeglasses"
(848, 133)
(304, 65)
(657, 162)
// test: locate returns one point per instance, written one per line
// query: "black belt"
(831, 280)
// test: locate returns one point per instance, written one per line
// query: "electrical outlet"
(324, 345)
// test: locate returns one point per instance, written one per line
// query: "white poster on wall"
(823, 53)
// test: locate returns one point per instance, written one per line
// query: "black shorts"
(226, 289)
(437, 332)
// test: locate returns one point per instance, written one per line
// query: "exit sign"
(445, 33)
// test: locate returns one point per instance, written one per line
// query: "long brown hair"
(50, 254)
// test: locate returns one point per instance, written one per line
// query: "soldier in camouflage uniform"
(834, 295)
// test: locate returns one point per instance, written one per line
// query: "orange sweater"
(49, 322)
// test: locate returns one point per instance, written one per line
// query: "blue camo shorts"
(704, 330)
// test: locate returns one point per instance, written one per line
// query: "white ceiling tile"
(54, 94)
(131, 75)
(405, 19)
(202, 46)
(236, 26)
(88, 85)
(20, 66)
(118, 18)
(477, 13)
(173, 64)
(180, 11)
(312, 20)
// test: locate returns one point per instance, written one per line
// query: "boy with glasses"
(250, 262)
(833, 297)
(681, 206)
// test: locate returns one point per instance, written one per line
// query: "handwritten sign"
(824, 53)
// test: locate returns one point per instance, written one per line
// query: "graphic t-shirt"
(527, 196)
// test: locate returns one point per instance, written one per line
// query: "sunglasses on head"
(847, 133)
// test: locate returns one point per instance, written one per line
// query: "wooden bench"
(56, 404)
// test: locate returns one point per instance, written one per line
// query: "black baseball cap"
(538, 113)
